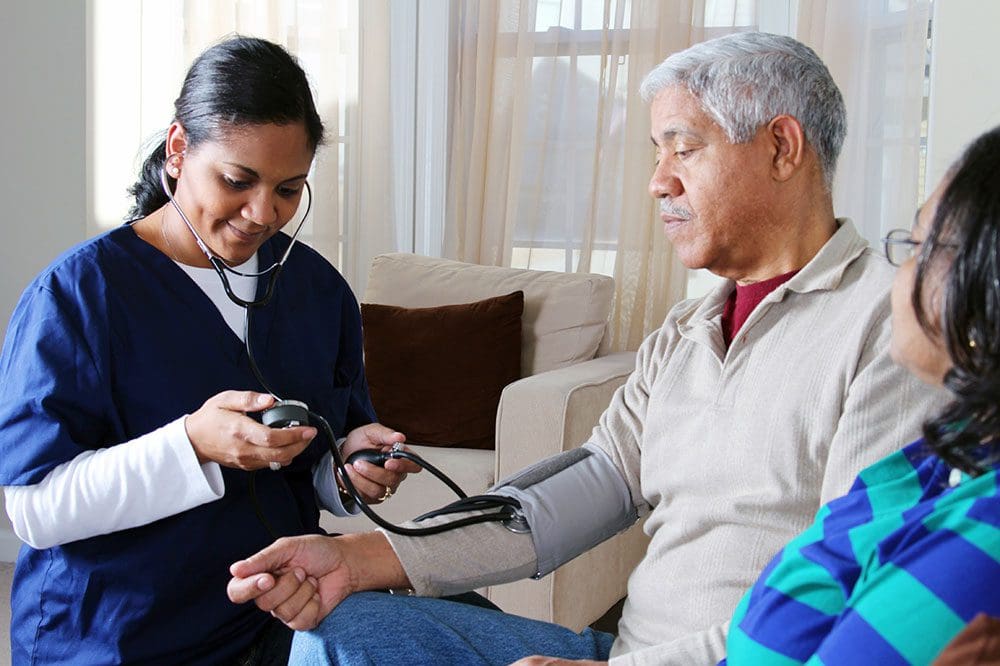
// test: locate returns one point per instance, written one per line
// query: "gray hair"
(745, 79)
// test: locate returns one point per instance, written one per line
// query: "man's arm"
(461, 560)
(477, 555)
(489, 554)
(571, 502)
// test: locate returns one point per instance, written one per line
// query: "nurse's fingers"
(220, 432)
(241, 401)
(373, 490)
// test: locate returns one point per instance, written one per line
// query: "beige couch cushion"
(564, 313)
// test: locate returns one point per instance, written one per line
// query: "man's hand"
(291, 597)
(376, 484)
(303, 578)
(300, 580)
(555, 661)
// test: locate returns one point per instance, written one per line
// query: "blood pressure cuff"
(571, 502)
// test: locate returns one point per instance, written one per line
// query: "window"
(570, 89)
(579, 84)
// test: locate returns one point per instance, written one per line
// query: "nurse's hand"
(376, 484)
(220, 431)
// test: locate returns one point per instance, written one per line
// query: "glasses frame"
(903, 240)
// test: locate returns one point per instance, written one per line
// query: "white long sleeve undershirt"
(132, 484)
(145, 479)
(107, 490)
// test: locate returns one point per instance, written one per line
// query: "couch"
(568, 378)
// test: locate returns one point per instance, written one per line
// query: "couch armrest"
(551, 412)
(540, 416)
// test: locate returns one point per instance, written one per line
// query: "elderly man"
(747, 409)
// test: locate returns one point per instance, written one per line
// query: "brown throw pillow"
(436, 374)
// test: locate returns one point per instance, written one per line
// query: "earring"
(972, 342)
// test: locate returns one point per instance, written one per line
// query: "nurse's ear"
(176, 149)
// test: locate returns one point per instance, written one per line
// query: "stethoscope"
(219, 264)
(287, 413)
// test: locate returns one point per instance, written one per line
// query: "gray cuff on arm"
(571, 502)
(464, 559)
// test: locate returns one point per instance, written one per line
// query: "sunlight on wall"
(140, 51)
(128, 77)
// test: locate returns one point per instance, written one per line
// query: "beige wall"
(43, 178)
(965, 79)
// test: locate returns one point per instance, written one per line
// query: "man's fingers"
(308, 617)
(292, 605)
(244, 589)
(286, 590)
(273, 558)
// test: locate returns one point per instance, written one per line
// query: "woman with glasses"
(893, 570)
(132, 464)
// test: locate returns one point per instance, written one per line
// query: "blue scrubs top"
(111, 342)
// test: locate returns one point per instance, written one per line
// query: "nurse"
(132, 464)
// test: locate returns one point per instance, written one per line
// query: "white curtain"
(548, 139)
(878, 54)
(550, 152)
(141, 50)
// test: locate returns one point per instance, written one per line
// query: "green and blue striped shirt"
(888, 574)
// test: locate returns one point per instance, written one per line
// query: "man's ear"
(789, 146)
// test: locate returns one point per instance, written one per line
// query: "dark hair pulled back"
(239, 81)
(966, 231)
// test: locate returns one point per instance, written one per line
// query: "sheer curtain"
(549, 154)
(141, 50)
(878, 54)
(550, 151)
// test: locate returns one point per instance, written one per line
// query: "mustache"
(669, 208)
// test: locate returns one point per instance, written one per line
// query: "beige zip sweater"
(732, 451)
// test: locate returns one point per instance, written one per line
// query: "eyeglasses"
(899, 246)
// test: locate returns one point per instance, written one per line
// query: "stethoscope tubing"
(506, 507)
